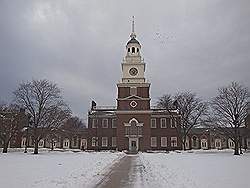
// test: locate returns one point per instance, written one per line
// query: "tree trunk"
(36, 147)
(236, 148)
(184, 143)
(5, 147)
(52, 145)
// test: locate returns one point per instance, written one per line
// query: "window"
(217, 144)
(173, 123)
(113, 141)
(137, 49)
(194, 141)
(75, 141)
(230, 143)
(104, 141)
(133, 49)
(164, 142)
(153, 123)
(94, 141)
(133, 91)
(204, 144)
(105, 123)
(128, 49)
(94, 123)
(163, 123)
(173, 141)
(66, 143)
(153, 141)
(113, 123)
(40, 143)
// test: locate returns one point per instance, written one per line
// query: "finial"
(133, 35)
(133, 24)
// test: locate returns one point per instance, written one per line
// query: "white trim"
(153, 141)
(153, 127)
(107, 121)
(172, 139)
(204, 143)
(104, 141)
(164, 141)
(165, 120)
(130, 143)
(133, 104)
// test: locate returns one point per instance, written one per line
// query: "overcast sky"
(187, 45)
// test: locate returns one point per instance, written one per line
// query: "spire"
(133, 35)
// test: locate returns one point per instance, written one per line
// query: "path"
(127, 173)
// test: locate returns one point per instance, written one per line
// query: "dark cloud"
(187, 45)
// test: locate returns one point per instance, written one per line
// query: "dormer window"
(133, 49)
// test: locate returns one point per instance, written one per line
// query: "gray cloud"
(187, 45)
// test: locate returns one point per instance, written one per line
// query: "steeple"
(133, 35)
(133, 67)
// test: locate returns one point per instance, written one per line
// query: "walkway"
(127, 173)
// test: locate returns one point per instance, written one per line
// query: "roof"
(133, 40)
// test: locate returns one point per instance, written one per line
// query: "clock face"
(133, 71)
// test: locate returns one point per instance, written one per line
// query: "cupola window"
(133, 49)
(137, 49)
(128, 49)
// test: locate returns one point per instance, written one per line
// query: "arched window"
(137, 49)
(128, 49)
(133, 49)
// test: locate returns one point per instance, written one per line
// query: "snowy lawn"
(54, 169)
(210, 169)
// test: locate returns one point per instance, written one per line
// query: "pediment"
(133, 97)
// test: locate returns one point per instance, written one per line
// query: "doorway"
(133, 144)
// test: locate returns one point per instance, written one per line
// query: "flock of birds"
(163, 38)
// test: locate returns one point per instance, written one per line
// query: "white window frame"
(113, 123)
(163, 120)
(114, 140)
(153, 141)
(104, 141)
(175, 144)
(151, 125)
(41, 143)
(173, 122)
(94, 123)
(94, 141)
(103, 123)
(164, 142)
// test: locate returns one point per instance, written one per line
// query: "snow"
(63, 169)
(54, 169)
(209, 169)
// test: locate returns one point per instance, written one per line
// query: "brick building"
(133, 125)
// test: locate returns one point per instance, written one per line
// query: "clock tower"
(133, 101)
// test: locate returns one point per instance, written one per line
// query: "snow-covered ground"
(208, 169)
(54, 169)
(199, 169)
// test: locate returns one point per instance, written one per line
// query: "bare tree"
(43, 101)
(191, 109)
(11, 122)
(229, 111)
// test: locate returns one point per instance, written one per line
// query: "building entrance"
(133, 144)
